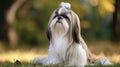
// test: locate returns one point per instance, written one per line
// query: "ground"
(24, 55)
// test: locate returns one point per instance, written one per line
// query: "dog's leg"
(38, 60)
(45, 61)
(103, 61)
(50, 60)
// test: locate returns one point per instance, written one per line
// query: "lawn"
(26, 64)
(25, 55)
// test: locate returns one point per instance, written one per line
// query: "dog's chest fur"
(69, 53)
(60, 44)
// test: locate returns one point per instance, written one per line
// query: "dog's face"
(61, 22)
(64, 22)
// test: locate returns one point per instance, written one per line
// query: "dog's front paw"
(38, 60)
(103, 61)
(50, 61)
(45, 61)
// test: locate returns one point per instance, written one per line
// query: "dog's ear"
(76, 28)
(75, 34)
(48, 34)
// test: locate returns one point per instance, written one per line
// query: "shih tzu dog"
(67, 47)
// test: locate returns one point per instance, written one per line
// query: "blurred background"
(23, 25)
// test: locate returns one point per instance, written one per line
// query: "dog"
(67, 46)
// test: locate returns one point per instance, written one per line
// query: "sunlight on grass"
(27, 56)
(115, 58)
(23, 56)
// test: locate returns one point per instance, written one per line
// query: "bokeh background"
(23, 25)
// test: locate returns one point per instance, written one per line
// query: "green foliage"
(33, 16)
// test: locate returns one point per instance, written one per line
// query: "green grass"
(25, 64)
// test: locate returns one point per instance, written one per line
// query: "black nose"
(59, 17)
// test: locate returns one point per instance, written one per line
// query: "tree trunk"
(10, 18)
(116, 20)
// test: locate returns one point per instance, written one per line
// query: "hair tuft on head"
(65, 5)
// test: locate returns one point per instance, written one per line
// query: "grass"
(25, 54)
(26, 64)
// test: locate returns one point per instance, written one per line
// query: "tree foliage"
(95, 15)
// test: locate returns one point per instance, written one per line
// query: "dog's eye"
(65, 16)
(54, 17)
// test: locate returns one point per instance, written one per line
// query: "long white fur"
(61, 50)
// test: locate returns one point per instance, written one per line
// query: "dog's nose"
(59, 17)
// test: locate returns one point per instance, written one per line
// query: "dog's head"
(64, 22)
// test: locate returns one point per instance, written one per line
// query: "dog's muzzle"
(59, 19)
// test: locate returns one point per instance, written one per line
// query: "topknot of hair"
(65, 5)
